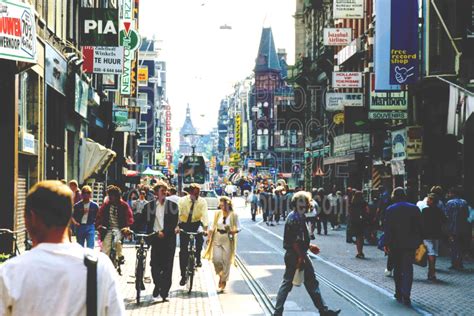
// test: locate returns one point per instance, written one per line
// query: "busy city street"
(356, 287)
(236, 157)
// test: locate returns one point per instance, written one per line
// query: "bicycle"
(113, 249)
(16, 250)
(191, 266)
(140, 263)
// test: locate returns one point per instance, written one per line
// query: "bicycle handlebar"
(142, 235)
(8, 231)
(191, 233)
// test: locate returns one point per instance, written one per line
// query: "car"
(211, 198)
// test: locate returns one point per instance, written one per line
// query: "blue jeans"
(310, 283)
(402, 260)
(86, 233)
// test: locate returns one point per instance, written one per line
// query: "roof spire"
(188, 112)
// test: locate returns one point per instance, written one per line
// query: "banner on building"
(55, 70)
(399, 144)
(81, 96)
(102, 60)
(98, 27)
(238, 125)
(404, 42)
(352, 9)
(143, 76)
(382, 48)
(414, 142)
(337, 101)
(388, 101)
(17, 32)
(168, 149)
(347, 80)
(337, 37)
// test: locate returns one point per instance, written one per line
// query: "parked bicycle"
(16, 250)
(191, 266)
(140, 263)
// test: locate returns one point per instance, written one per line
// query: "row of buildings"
(381, 93)
(83, 97)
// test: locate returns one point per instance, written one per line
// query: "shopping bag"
(298, 278)
(421, 256)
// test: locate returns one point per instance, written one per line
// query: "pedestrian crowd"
(408, 232)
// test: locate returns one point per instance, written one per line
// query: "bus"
(192, 169)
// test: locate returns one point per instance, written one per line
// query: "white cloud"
(204, 61)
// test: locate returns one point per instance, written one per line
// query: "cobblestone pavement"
(452, 295)
(202, 300)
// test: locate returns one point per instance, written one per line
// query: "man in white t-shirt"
(51, 279)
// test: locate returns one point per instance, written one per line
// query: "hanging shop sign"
(338, 118)
(348, 9)
(404, 42)
(337, 37)
(55, 70)
(399, 144)
(382, 48)
(110, 82)
(398, 167)
(130, 40)
(98, 27)
(168, 149)
(81, 96)
(17, 32)
(28, 143)
(394, 115)
(102, 59)
(347, 80)
(388, 101)
(337, 101)
(238, 122)
(350, 143)
(414, 142)
(143, 76)
(130, 126)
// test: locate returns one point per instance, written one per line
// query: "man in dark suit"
(162, 218)
(402, 237)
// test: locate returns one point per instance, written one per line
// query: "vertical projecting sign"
(238, 122)
(404, 42)
(130, 40)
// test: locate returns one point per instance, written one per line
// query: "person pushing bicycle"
(114, 215)
(192, 214)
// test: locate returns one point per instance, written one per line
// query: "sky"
(203, 61)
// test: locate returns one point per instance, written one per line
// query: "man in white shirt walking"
(162, 219)
(51, 278)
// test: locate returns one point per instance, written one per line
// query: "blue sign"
(382, 47)
(165, 170)
(272, 170)
(404, 42)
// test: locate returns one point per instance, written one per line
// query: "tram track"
(265, 301)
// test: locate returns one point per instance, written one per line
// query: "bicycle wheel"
(138, 278)
(191, 267)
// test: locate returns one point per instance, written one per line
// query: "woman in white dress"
(223, 240)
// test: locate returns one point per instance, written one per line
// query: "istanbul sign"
(17, 32)
(337, 37)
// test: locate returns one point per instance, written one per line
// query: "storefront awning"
(93, 158)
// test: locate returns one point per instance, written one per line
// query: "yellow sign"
(143, 76)
(338, 118)
(258, 163)
(238, 123)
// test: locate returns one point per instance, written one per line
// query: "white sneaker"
(388, 273)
